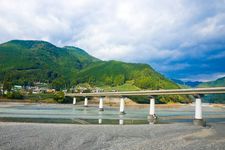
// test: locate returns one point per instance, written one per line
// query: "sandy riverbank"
(65, 136)
(130, 105)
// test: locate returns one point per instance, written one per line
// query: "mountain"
(24, 62)
(214, 98)
(209, 98)
(187, 83)
(217, 83)
(116, 73)
(40, 61)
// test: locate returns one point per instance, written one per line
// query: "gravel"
(32, 136)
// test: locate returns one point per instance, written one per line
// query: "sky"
(182, 39)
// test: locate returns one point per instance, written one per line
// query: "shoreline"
(170, 105)
(61, 135)
(73, 114)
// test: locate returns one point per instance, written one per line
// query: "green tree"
(58, 84)
(108, 80)
(15, 95)
(143, 82)
(7, 86)
(119, 80)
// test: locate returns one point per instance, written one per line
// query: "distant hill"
(217, 83)
(216, 98)
(187, 83)
(210, 98)
(24, 62)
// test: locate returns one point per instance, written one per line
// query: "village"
(44, 88)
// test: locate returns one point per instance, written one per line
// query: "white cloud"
(172, 67)
(146, 31)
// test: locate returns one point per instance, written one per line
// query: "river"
(78, 114)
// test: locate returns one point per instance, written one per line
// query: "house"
(17, 87)
(50, 91)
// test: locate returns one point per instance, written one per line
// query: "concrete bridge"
(196, 92)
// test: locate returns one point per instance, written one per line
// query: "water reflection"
(73, 110)
(121, 119)
(80, 114)
(99, 121)
(100, 117)
(85, 110)
(121, 122)
(109, 121)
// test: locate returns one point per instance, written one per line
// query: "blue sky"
(183, 39)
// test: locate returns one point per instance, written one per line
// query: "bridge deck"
(193, 91)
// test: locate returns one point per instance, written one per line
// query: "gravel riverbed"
(32, 136)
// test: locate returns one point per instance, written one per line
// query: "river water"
(78, 114)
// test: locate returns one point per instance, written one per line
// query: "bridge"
(196, 92)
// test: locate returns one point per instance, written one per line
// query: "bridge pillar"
(85, 101)
(152, 118)
(74, 101)
(101, 104)
(122, 105)
(198, 112)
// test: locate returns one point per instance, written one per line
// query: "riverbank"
(46, 101)
(81, 137)
(91, 103)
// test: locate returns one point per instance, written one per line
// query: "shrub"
(59, 97)
(15, 95)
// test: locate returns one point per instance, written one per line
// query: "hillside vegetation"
(214, 98)
(217, 83)
(25, 62)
